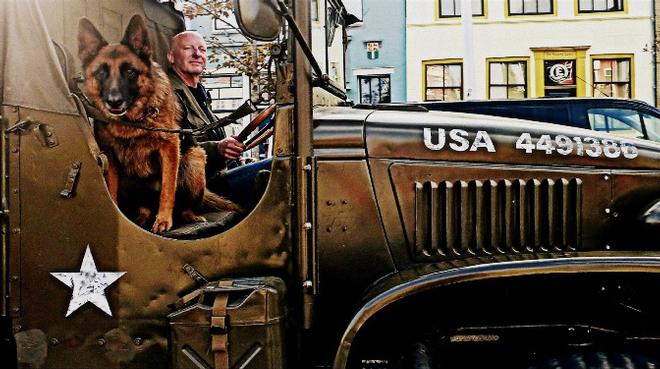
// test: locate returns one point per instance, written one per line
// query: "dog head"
(117, 76)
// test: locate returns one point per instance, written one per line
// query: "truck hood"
(460, 137)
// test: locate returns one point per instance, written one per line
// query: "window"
(443, 81)
(596, 6)
(314, 10)
(226, 91)
(652, 125)
(530, 7)
(452, 8)
(374, 89)
(623, 122)
(507, 79)
(612, 77)
(226, 26)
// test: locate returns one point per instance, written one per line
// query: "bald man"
(187, 57)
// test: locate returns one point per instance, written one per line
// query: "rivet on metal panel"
(54, 341)
(307, 226)
(16, 230)
(330, 202)
(329, 229)
(100, 341)
(307, 167)
(615, 214)
(17, 328)
(607, 210)
(607, 247)
(344, 228)
(137, 341)
(307, 284)
(344, 202)
(606, 177)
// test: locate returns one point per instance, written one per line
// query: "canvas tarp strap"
(220, 328)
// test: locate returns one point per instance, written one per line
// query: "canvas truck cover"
(39, 45)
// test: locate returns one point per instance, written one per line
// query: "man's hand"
(230, 148)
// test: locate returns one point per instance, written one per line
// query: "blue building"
(376, 60)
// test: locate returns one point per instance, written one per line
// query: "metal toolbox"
(230, 324)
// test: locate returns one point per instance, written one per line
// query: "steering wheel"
(254, 123)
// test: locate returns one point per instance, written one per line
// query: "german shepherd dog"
(121, 80)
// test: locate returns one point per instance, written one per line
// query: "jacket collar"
(193, 106)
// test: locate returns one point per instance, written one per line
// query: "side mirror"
(259, 19)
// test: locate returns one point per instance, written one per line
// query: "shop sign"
(559, 72)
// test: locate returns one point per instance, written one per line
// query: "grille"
(497, 217)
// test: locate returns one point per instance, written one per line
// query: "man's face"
(188, 54)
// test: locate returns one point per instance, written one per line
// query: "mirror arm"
(329, 86)
(303, 44)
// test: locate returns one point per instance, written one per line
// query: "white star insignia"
(88, 285)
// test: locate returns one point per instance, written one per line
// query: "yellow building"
(532, 48)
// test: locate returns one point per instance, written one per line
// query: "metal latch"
(195, 274)
(71, 181)
(42, 131)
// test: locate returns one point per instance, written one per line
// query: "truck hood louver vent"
(497, 217)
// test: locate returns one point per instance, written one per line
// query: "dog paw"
(190, 216)
(162, 224)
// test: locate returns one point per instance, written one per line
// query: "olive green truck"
(386, 237)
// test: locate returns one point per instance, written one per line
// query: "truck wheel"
(596, 360)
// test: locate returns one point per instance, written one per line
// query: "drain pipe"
(654, 53)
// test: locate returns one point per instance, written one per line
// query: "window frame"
(440, 16)
(370, 77)
(609, 57)
(444, 62)
(233, 85)
(507, 10)
(624, 9)
(508, 60)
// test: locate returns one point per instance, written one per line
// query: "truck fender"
(427, 282)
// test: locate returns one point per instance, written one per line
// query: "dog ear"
(137, 38)
(90, 41)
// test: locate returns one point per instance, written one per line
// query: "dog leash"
(248, 107)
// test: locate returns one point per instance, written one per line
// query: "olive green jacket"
(194, 117)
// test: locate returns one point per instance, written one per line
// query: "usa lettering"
(458, 140)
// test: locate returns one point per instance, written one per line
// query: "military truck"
(387, 237)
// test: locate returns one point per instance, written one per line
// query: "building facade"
(227, 87)
(532, 48)
(376, 63)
